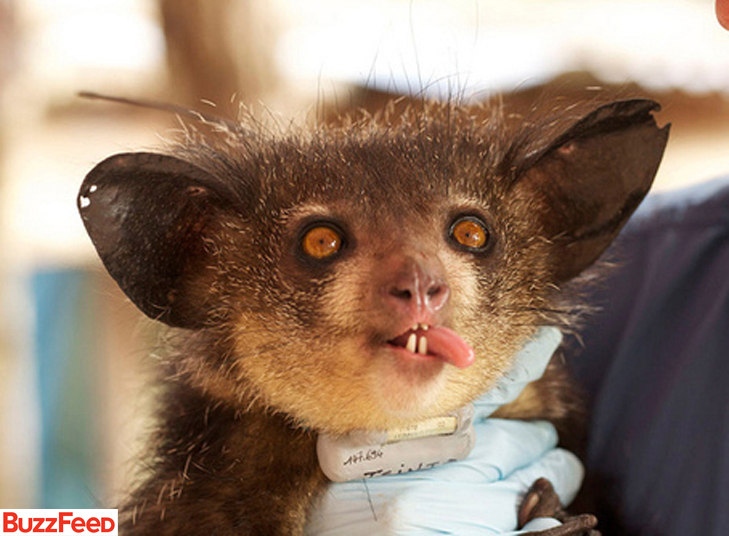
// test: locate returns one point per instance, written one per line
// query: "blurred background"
(74, 354)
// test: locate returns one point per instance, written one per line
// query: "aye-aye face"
(375, 275)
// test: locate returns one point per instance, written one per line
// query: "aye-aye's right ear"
(146, 214)
(593, 176)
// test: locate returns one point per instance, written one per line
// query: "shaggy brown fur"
(277, 346)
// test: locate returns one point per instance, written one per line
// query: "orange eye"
(470, 233)
(321, 242)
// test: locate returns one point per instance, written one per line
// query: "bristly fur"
(277, 347)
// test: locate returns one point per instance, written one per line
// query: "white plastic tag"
(426, 444)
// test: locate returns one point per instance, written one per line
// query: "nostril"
(435, 290)
(436, 296)
(403, 294)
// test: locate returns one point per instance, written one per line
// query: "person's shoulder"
(702, 204)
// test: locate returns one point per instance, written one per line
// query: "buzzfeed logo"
(68, 521)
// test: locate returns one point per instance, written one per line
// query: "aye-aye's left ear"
(594, 175)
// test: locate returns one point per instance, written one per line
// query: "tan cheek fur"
(320, 388)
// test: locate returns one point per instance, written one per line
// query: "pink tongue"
(446, 344)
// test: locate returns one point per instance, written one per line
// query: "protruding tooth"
(423, 345)
(424, 327)
(412, 339)
(415, 326)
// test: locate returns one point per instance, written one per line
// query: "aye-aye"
(298, 265)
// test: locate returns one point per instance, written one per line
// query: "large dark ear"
(146, 214)
(594, 175)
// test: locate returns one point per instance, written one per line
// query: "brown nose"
(416, 287)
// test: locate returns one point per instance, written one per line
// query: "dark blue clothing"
(656, 370)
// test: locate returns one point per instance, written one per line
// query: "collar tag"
(423, 445)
